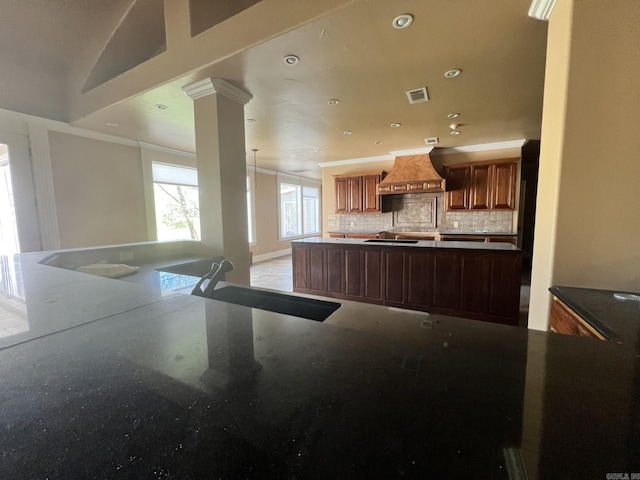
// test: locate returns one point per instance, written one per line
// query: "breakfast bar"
(474, 280)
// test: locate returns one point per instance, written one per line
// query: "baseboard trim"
(268, 256)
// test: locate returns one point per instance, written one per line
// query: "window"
(299, 207)
(175, 190)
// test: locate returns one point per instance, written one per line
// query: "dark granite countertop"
(183, 387)
(614, 318)
(506, 247)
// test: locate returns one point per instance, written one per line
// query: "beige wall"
(98, 191)
(587, 226)
(266, 212)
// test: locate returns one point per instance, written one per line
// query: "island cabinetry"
(564, 320)
(471, 283)
(481, 185)
(357, 193)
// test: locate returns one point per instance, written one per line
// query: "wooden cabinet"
(481, 185)
(504, 186)
(357, 193)
(476, 284)
(565, 320)
(457, 196)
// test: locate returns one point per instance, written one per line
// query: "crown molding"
(172, 151)
(541, 9)
(210, 86)
(413, 151)
(482, 147)
(354, 161)
(261, 170)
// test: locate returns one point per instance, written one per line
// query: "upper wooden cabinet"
(357, 193)
(481, 185)
(457, 187)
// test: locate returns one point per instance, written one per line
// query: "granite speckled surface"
(507, 247)
(184, 387)
(616, 319)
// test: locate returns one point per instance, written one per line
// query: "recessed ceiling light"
(395, 125)
(453, 115)
(317, 151)
(379, 142)
(455, 132)
(453, 126)
(402, 21)
(113, 124)
(251, 120)
(161, 106)
(452, 73)
(347, 132)
(333, 101)
(291, 60)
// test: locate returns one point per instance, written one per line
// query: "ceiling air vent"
(419, 95)
(431, 140)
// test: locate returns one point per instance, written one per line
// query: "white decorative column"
(220, 156)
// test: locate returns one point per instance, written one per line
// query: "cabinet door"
(504, 185)
(355, 194)
(481, 185)
(342, 196)
(353, 273)
(373, 274)
(504, 280)
(457, 196)
(370, 197)
(419, 278)
(301, 258)
(446, 280)
(474, 288)
(394, 277)
(335, 270)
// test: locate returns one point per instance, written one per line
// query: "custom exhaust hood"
(412, 174)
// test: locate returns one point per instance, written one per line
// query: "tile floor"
(276, 274)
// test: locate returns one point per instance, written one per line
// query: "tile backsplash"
(424, 212)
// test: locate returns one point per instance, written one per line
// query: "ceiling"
(352, 54)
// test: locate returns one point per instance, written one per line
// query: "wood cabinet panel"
(370, 197)
(301, 258)
(358, 193)
(394, 277)
(566, 321)
(481, 184)
(505, 271)
(317, 280)
(419, 279)
(335, 270)
(373, 274)
(342, 195)
(353, 272)
(504, 189)
(446, 280)
(483, 285)
(354, 189)
(457, 196)
(474, 290)
(487, 185)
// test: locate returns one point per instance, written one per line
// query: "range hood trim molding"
(412, 174)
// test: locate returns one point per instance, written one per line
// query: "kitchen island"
(146, 385)
(474, 280)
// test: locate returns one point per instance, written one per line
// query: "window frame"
(301, 183)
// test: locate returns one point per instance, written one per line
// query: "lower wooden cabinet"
(565, 320)
(477, 284)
